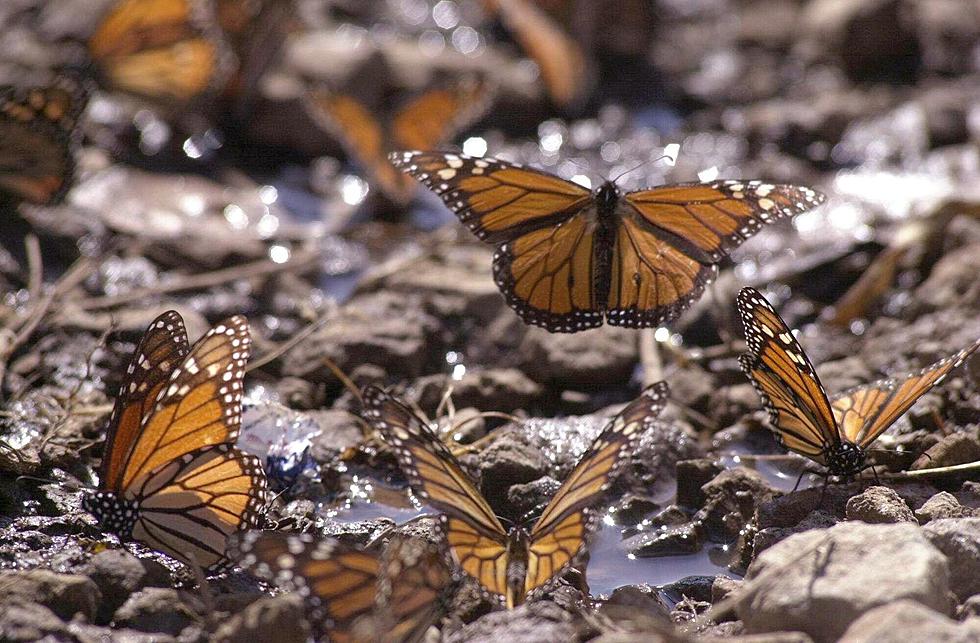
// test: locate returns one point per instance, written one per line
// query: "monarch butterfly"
(510, 564)
(169, 51)
(171, 477)
(835, 432)
(38, 136)
(568, 258)
(425, 120)
(358, 595)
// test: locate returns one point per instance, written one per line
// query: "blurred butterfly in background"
(38, 139)
(167, 51)
(834, 432)
(569, 258)
(511, 564)
(353, 594)
(171, 476)
(428, 119)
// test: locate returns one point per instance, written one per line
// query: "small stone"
(277, 618)
(691, 476)
(959, 540)
(941, 505)
(732, 498)
(64, 594)
(668, 541)
(822, 580)
(155, 609)
(492, 389)
(878, 505)
(908, 620)
(599, 358)
(636, 603)
(118, 574)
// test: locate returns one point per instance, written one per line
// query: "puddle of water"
(780, 472)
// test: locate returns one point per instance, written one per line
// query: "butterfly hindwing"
(865, 412)
(785, 380)
(564, 528)
(158, 353)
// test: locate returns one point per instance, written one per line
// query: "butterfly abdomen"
(518, 541)
(606, 203)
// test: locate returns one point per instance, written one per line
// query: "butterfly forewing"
(189, 507)
(414, 576)
(200, 405)
(569, 520)
(865, 412)
(161, 349)
(785, 379)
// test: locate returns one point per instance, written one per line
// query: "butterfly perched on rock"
(423, 119)
(569, 258)
(834, 432)
(38, 138)
(171, 476)
(510, 564)
(353, 594)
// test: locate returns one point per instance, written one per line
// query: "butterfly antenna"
(647, 162)
(342, 376)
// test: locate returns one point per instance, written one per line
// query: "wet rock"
(385, 329)
(636, 603)
(666, 541)
(155, 610)
(276, 618)
(696, 588)
(732, 498)
(693, 387)
(508, 461)
(339, 431)
(595, 359)
(959, 540)
(908, 620)
(691, 476)
(85, 633)
(118, 574)
(64, 594)
(633, 508)
(942, 505)
(29, 622)
(532, 496)
(878, 505)
(653, 463)
(723, 586)
(495, 389)
(821, 581)
(537, 621)
(730, 403)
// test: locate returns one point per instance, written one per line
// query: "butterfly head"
(845, 459)
(606, 195)
(112, 513)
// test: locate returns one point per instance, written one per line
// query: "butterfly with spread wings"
(568, 258)
(510, 564)
(168, 51)
(428, 119)
(353, 594)
(833, 432)
(171, 476)
(38, 138)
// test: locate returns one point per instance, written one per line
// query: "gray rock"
(691, 476)
(85, 633)
(959, 540)
(732, 498)
(537, 621)
(769, 536)
(276, 618)
(492, 389)
(508, 461)
(955, 448)
(723, 586)
(878, 505)
(155, 610)
(29, 622)
(595, 359)
(117, 573)
(666, 541)
(942, 505)
(638, 604)
(64, 594)
(908, 620)
(821, 581)
(969, 609)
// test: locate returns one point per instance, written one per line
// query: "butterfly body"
(569, 259)
(511, 563)
(837, 431)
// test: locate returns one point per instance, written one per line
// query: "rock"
(493, 389)
(508, 461)
(64, 594)
(959, 540)
(666, 541)
(724, 586)
(117, 573)
(537, 621)
(595, 359)
(769, 637)
(696, 588)
(631, 509)
(339, 431)
(969, 609)
(878, 505)
(732, 498)
(155, 610)
(638, 604)
(275, 618)
(955, 448)
(691, 476)
(29, 622)
(85, 633)
(942, 505)
(528, 497)
(693, 387)
(908, 620)
(822, 580)
(947, 31)
(766, 537)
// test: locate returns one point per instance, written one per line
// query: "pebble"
(878, 505)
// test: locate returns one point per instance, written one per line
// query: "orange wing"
(38, 135)
(166, 50)
(431, 119)
(188, 508)
(786, 381)
(200, 404)
(161, 349)
(569, 520)
(865, 412)
(414, 576)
